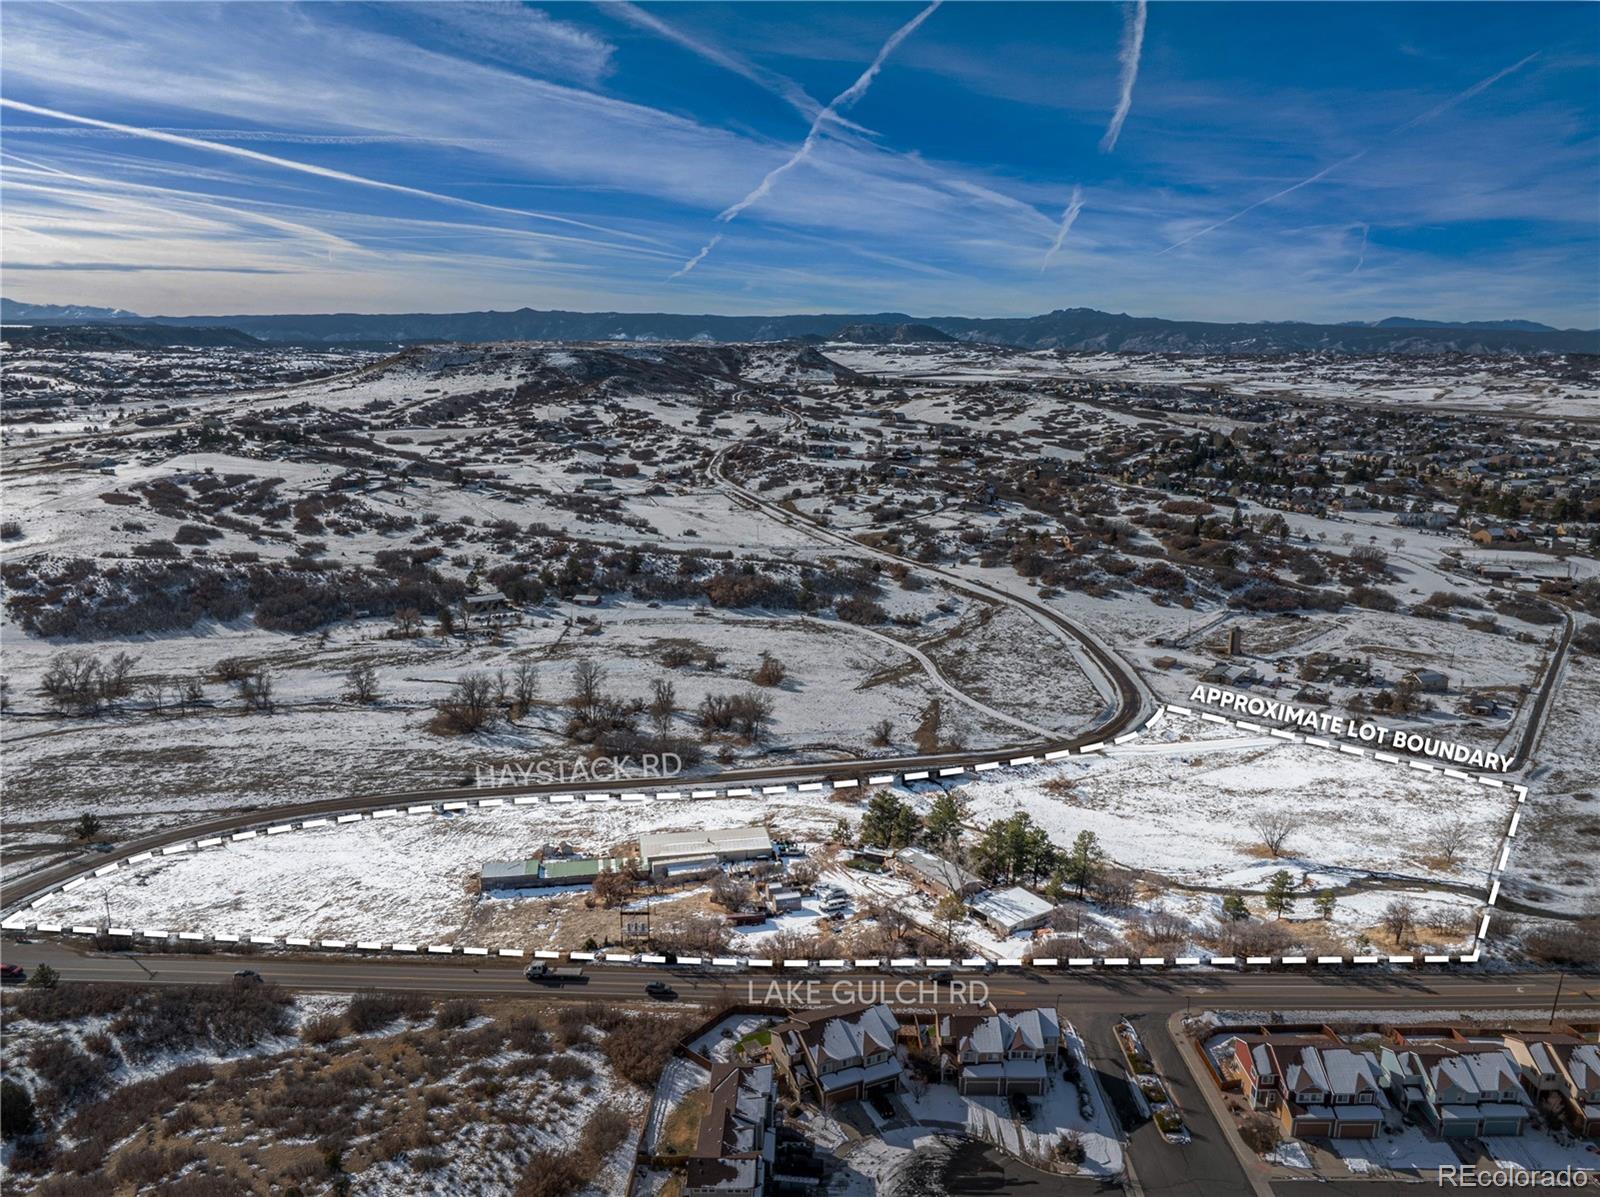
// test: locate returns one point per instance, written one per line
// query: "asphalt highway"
(1131, 991)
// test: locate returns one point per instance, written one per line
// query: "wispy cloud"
(323, 172)
(517, 36)
(697, 259)
(1068, 217)
(786, 89)
(1462, 97)
(1261, 203)
(840, 103)
(1128, 56)
(1422, 118)
(1361, 254)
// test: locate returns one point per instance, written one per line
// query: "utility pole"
(1560, 980)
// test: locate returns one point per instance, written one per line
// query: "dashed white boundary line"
(18, 921)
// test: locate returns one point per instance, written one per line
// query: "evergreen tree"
(1233, 908)
(889, 823)
(1279, 887)
(1325, 903)
(1081, 865)
(942, 827)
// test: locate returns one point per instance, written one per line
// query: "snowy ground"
(1177, 807)
(1185, 808)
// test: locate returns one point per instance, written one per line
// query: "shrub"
(604, 1132)
(552, 1174)
(566, 1068)
(639, 1048)
(221, 1017)
(322, 1029)
(372, 1011)
(17, 1116)
(457, 1012)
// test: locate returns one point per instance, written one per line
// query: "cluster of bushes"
(552, 1173)
(746, 715)
(130, 599)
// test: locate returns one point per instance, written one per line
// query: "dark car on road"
(247, 976)
(12, 974)
(661, 991)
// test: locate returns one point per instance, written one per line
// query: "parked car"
(1021, 1107)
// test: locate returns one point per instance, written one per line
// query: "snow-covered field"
(1184, 808)
(1178, 809)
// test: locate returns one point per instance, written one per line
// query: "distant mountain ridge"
(1074, 329)
(1488, 325)
(125, 336)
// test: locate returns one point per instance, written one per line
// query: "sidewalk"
(1259, 1175)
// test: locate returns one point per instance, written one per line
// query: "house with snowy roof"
(1563, 1071)
(840, 1053)
(737, 1144)
(1001, 1051)
(1314, 1085)
(1462, 1088)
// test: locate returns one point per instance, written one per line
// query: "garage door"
(983, 1087)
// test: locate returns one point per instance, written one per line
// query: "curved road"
(1130, 704)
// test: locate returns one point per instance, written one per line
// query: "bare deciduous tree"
(1274, 827)
(408, 623)
(255, 690)
(468, 708)
(114, 676)
(525, 686)
(363, 681)
(154, 692)
(191, 693)
(663, 705)
(1452, 839)
(587, 678)
(1398, 919)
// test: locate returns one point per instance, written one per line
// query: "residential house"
(1564, 1071)
(935, 873)
(1314, 1085)
(1461, 1088)
(1428, 681)
(734, 1153)
(1000, 1052)
(840, 1053)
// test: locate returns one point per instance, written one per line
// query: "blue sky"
(1192, 160)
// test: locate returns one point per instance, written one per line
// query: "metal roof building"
(1008, 911)
(661, 851)
(542, 874)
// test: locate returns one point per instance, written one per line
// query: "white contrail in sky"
(324, 172)
(1074, 206)
(784, 88)
(840, 103)
(1481, 85)
(1276, 195)
(1436, 110)
(1128, 55)
(1361, 254)
(697, 259)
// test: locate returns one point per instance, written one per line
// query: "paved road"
(1129, 705)
(1154, 992)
